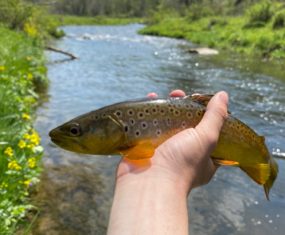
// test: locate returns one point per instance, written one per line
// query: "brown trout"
(135, 128)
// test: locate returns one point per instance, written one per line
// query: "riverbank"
(258, 32)
(97, 20)
(22, 76)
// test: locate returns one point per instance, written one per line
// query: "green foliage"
(21, 70)
(225, 33)
(33, 20)
(260, 13)
(197, 11)
(98, 20)
(279, 20)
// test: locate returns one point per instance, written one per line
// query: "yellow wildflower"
(30, 29)
(22, 144)
(26, 136)
(34, 138)
(26, 116)
(30, 146)
(30, 76)
(2, 68)
(9, 151)
(27, 182)
(13, 165)
(32, 162)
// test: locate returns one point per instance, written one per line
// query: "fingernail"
(223, 96)
(152, 95)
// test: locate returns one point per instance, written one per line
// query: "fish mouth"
(55, 136)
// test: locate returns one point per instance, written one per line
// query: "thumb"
(212, 122)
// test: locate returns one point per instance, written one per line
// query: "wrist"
(147, 172)
(149, 201)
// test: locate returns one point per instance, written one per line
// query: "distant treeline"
(138, 8)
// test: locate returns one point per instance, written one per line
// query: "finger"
(177, 93)
(212, 122)
(152, 95)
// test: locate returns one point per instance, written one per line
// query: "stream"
(117, 64)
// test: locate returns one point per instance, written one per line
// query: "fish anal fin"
(225, 162)
(142, 150)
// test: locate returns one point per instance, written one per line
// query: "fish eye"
(74, 130)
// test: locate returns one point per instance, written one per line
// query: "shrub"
(260, 13)
(33, 20)
(279, 20)
(198, 11)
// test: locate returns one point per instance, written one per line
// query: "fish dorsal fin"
(201, 98)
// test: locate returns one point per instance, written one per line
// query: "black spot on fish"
(126, 129)
(130, 112)
(158, 132)
(118, 113)
(138, 133)
(199, 113)
(140, 115)
(177, 112)
(155, 122)
(132, 121)
(189, 115)
(183, 124)
(144, 125)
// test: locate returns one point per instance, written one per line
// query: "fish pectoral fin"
(225, 162)
(142, 150)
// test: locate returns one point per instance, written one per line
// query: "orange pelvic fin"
(225, 162)
(142, 150)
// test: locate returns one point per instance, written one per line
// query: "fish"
(136, 128)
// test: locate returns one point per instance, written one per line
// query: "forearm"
(149, 204)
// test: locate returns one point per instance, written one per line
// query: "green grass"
(22, 72)
(98, 20)
(234, 33)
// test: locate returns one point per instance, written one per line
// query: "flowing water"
(116, 64)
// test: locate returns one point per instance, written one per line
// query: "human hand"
(185, 157)
(151, 195)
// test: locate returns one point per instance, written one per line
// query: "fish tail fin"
(263, 173)
(273, 175)
(260, 173)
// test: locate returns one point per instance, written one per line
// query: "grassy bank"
(259, 31)
(98, 20)
(22, 73)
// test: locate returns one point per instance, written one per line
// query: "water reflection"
(117, 64)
